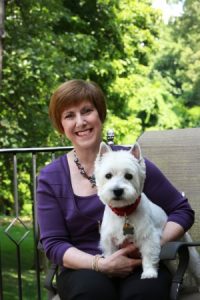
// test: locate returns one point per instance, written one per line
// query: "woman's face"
(82, 125)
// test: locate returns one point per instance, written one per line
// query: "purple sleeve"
(160, 191)
(55, 239)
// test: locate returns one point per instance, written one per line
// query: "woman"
(69, 211)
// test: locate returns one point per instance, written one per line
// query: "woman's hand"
(135, 253)
(122, 262)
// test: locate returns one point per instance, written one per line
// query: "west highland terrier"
(129, 215)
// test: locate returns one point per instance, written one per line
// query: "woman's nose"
(80, 120)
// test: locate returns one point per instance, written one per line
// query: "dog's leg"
(150, 270)
(150, 251)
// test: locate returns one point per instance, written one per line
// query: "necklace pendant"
(127, 228)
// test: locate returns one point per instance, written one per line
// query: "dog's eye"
(108, 175)
(128, 176)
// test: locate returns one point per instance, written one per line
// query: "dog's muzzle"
(118, 193)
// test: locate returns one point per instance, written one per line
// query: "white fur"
(148, 220)
(147, 233)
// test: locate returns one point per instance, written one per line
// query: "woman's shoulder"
(152, 170)
(51, 166)
(57, 166)
(119, 147)
(54, 177)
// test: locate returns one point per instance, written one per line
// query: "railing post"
(16, 201)
(1, 281)
(17, 244)
(35, 227)
(110, 137)
(8, 231)
(19, 272)
(15, 182)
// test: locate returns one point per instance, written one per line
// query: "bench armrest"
(180, 250)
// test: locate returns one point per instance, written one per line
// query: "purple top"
(67, 220)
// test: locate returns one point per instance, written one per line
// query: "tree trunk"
(2, 12)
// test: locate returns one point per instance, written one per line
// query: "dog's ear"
(136, 151)
(104, 148)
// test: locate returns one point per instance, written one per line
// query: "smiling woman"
(71, 93)
(81, 123)
(77, 110)
(69, 209)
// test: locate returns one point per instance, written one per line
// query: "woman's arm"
(171, 232)
(54, 235)
(161, 191)
(118, 264)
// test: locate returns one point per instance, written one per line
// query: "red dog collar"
(126, 210)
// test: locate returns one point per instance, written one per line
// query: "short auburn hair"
(73, 92)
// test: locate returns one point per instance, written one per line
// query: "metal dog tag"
(128, 229)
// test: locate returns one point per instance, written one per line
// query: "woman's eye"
(108, 175)
(87, 111)
(68, 116)
(128, 176)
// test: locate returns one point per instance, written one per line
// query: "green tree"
(29, 71)
(105, 41)
(179, 63)
(114, 43)
(48, 42)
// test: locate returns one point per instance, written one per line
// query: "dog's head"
(119, 175)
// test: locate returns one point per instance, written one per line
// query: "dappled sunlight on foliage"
(126, 131)
(149, 72)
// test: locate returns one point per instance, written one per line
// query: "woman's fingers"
(130, 250)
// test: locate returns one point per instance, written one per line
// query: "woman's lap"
(91, 285)
(134, 288)
(85, 285)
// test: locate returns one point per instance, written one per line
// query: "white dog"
(129, 214)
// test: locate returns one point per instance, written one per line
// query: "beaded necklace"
(82, 170)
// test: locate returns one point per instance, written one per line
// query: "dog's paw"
(150, 273)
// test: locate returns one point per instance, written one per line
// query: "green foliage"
(149, 72)
(179, 63)
(126, 130)
(30, 63)
(55, 41)
(194, 116)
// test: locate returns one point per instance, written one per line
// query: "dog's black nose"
(118, 192)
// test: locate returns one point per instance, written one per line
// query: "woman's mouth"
(83, 133)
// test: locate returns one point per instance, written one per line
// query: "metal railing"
(32, 157)
(35, 153)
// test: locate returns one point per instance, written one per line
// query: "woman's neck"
(84, 162)
(87, 155)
